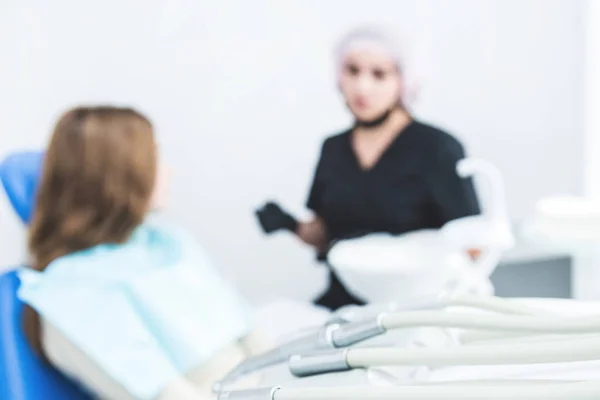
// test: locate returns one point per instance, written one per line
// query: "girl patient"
(120, 300)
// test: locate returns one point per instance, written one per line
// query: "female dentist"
(389, 172)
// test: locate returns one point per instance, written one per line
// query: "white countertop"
(525, 252)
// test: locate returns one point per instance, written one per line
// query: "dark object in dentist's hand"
(272, 218)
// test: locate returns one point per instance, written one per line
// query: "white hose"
(587, 349)
(491, 303)
(509, 323)
(477, 338)
(444, 301)
(496, 382)
(469, 338)
(543, 391)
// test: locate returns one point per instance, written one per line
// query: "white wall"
(242, 94)
(586, 274)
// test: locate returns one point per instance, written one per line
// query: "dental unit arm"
(511, 353)
(547, 351)
(340, 332)
(341, 335)
(496, 209)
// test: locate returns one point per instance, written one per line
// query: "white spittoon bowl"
(380, 267)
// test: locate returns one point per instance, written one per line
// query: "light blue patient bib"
(146, 311)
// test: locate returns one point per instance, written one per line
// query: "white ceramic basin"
(382, 267)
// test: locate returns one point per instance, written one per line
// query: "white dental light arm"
(539, 391)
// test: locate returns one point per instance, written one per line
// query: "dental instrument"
(341, 336)
(344, 329)
(580, 343)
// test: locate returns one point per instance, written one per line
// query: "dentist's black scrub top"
(413, 185)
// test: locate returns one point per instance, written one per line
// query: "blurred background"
(242, 93)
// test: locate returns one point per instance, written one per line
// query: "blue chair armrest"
(23, 375)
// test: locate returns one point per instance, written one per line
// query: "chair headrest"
(20, 174)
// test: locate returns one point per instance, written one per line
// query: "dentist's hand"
(273, 218)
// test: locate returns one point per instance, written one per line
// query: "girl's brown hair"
(96, 187)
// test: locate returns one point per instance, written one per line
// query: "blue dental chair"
(23, 376)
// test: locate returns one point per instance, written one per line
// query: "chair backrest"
(23, 375)
(20, 174)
